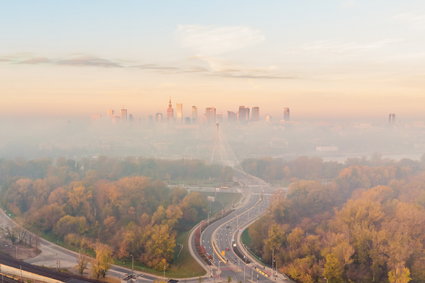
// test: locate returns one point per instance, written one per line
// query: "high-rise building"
(243, 114)
(391, 118)
(219, 118)
(210, 113)
(232, 116)
(124, 114)
(286, 114)
(179, 112)
(255, 115)
(268, 118)
(111, 113)
(170, 111)
(158, 117)
(194, 114)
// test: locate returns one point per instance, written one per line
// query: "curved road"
(221, 242)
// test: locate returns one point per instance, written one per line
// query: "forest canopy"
(121, 203)
(363, 222)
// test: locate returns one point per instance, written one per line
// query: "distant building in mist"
(130, 117)
(194, 114)
(124, 115)
(159, 117)
(170, 111)
(391, 118)
(232, 116)
(255, 115)
(111, 113)
(327, 148)
(219, 118)
(268, 118)
(95, 117)
(286, 114)
(243, 114)
(179, 112)
(210, 114)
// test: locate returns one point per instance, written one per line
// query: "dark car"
(129, 276)
(173, 281)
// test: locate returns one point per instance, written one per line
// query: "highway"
(220, 239)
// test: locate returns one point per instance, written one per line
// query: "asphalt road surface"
(220, 238)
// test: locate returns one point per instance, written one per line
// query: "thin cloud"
(253, 76)
(222, 68)
(414, 20)
(4, 59)
(155, 67)
(209, 42)
(202, 65)
(35, 61)
(89, 61)
(344, 47)
(214, 40)
(80, 60)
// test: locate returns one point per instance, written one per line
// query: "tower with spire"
(170, 111)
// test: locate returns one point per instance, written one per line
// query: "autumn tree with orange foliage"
(366, 224)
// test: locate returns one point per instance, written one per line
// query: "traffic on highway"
(221, 239)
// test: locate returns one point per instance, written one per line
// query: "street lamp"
(132, 264)
(164, 271)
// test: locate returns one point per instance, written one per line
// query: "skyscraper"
(179, 112)
(268, 118)
(231, 116)
(243, 114)
(255, 116)
(170, 111)
(194, 114)
(124, 114)
(391, 118)
(158, 117)
(286, 114)
(111, 113)
(210, 113)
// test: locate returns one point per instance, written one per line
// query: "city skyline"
(338, 59)
(244, 114)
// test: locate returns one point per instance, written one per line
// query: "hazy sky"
(327, 58)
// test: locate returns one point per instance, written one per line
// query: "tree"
(82, 263)
(333, 269)
(103, 260)
(302, 269)
(10, 234)
(400, 274)
(159, 246)
(70, 224)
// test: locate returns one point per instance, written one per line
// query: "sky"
(323, 59)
